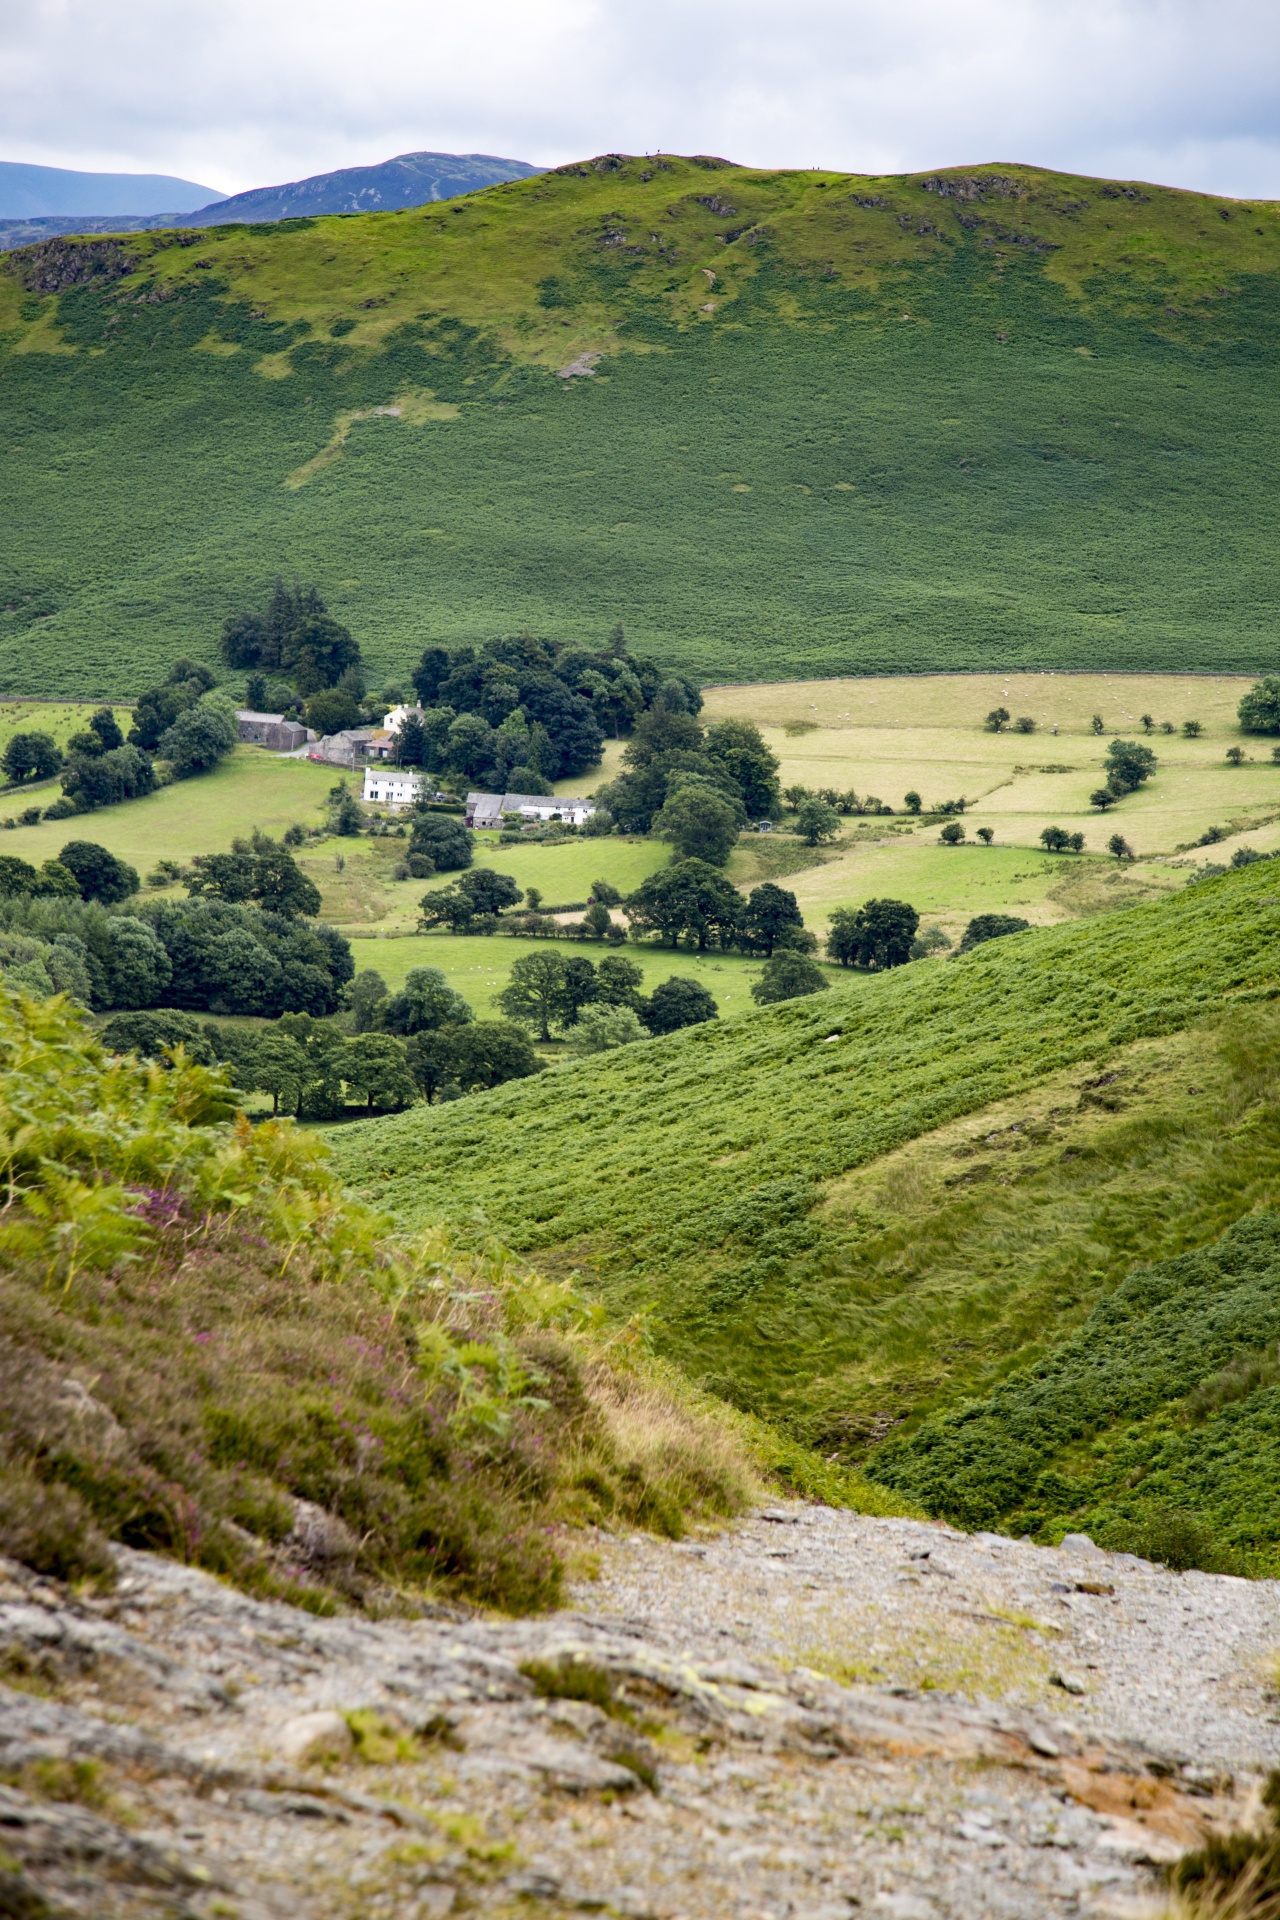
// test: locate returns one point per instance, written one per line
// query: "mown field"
(246, 790)
(839, 425)
(480, 968)
(856, 1210)
(925, 733)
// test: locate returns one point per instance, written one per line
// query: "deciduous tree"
(690, 899)
(99, 875)
(701, 824)
(817, 820)
(376, 1067)
(535, 992)
(425, 1003)
(788, 976)
(31, 756)
(676, 1002)
(769, 912)
(876, 935)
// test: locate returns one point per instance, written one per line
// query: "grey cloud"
(248, 93)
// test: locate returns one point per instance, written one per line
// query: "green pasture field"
(855, 1209)
(58, 718)
(479, 966)
(882, 736)
(925, 732)
(363, 891)
(248, 789)
(883, 441)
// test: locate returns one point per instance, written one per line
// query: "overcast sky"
(242, 93)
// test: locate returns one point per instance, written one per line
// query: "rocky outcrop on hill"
(814, 1715)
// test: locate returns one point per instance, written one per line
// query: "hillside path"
(811, 1716)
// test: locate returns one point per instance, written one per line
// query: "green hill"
(1158, 1424)
(852, 1211)
(838, 424)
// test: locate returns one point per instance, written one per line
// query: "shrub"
(991, 926)
(1236, 1876)
(155, 1035)
(952, 834)
(788, 976)
(600, 1027)
(50, 1528)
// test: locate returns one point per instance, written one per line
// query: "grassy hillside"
(206, 1350)
(838, 424)
(1157, 1425)
(853, 1208)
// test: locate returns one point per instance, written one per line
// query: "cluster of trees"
(990, 926)
(789, 975)
(1058, 840)
(295, 640)
(260, 872)
(1259, 710)
(953, 833)
(692, 901)
(439, 843)
(998, 719)
(81, 870)
(844, 803)
(159, 707)
(520, 713)
(473, 903)
(695, 787)
(877, 935)
(1128, 764)
(317, 1071)
(31, 756)
(202, 955)
(549, 989)
(184, 722)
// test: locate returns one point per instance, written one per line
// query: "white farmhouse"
(534, 809)
(393, 786)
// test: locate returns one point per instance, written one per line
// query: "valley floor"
(812, 1716)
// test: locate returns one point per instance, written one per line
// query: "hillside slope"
(1163, 1407)
(853, 1209)
(29, 190)
(990, 417)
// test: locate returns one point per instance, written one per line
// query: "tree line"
(243, 942)
(184, 724)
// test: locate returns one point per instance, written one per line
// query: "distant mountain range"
(410, 180)
(28, 192)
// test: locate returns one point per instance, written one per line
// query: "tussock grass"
(1234, 1876)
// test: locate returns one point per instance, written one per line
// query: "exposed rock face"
(179, 1749)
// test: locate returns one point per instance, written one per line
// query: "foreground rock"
(815, 1715)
